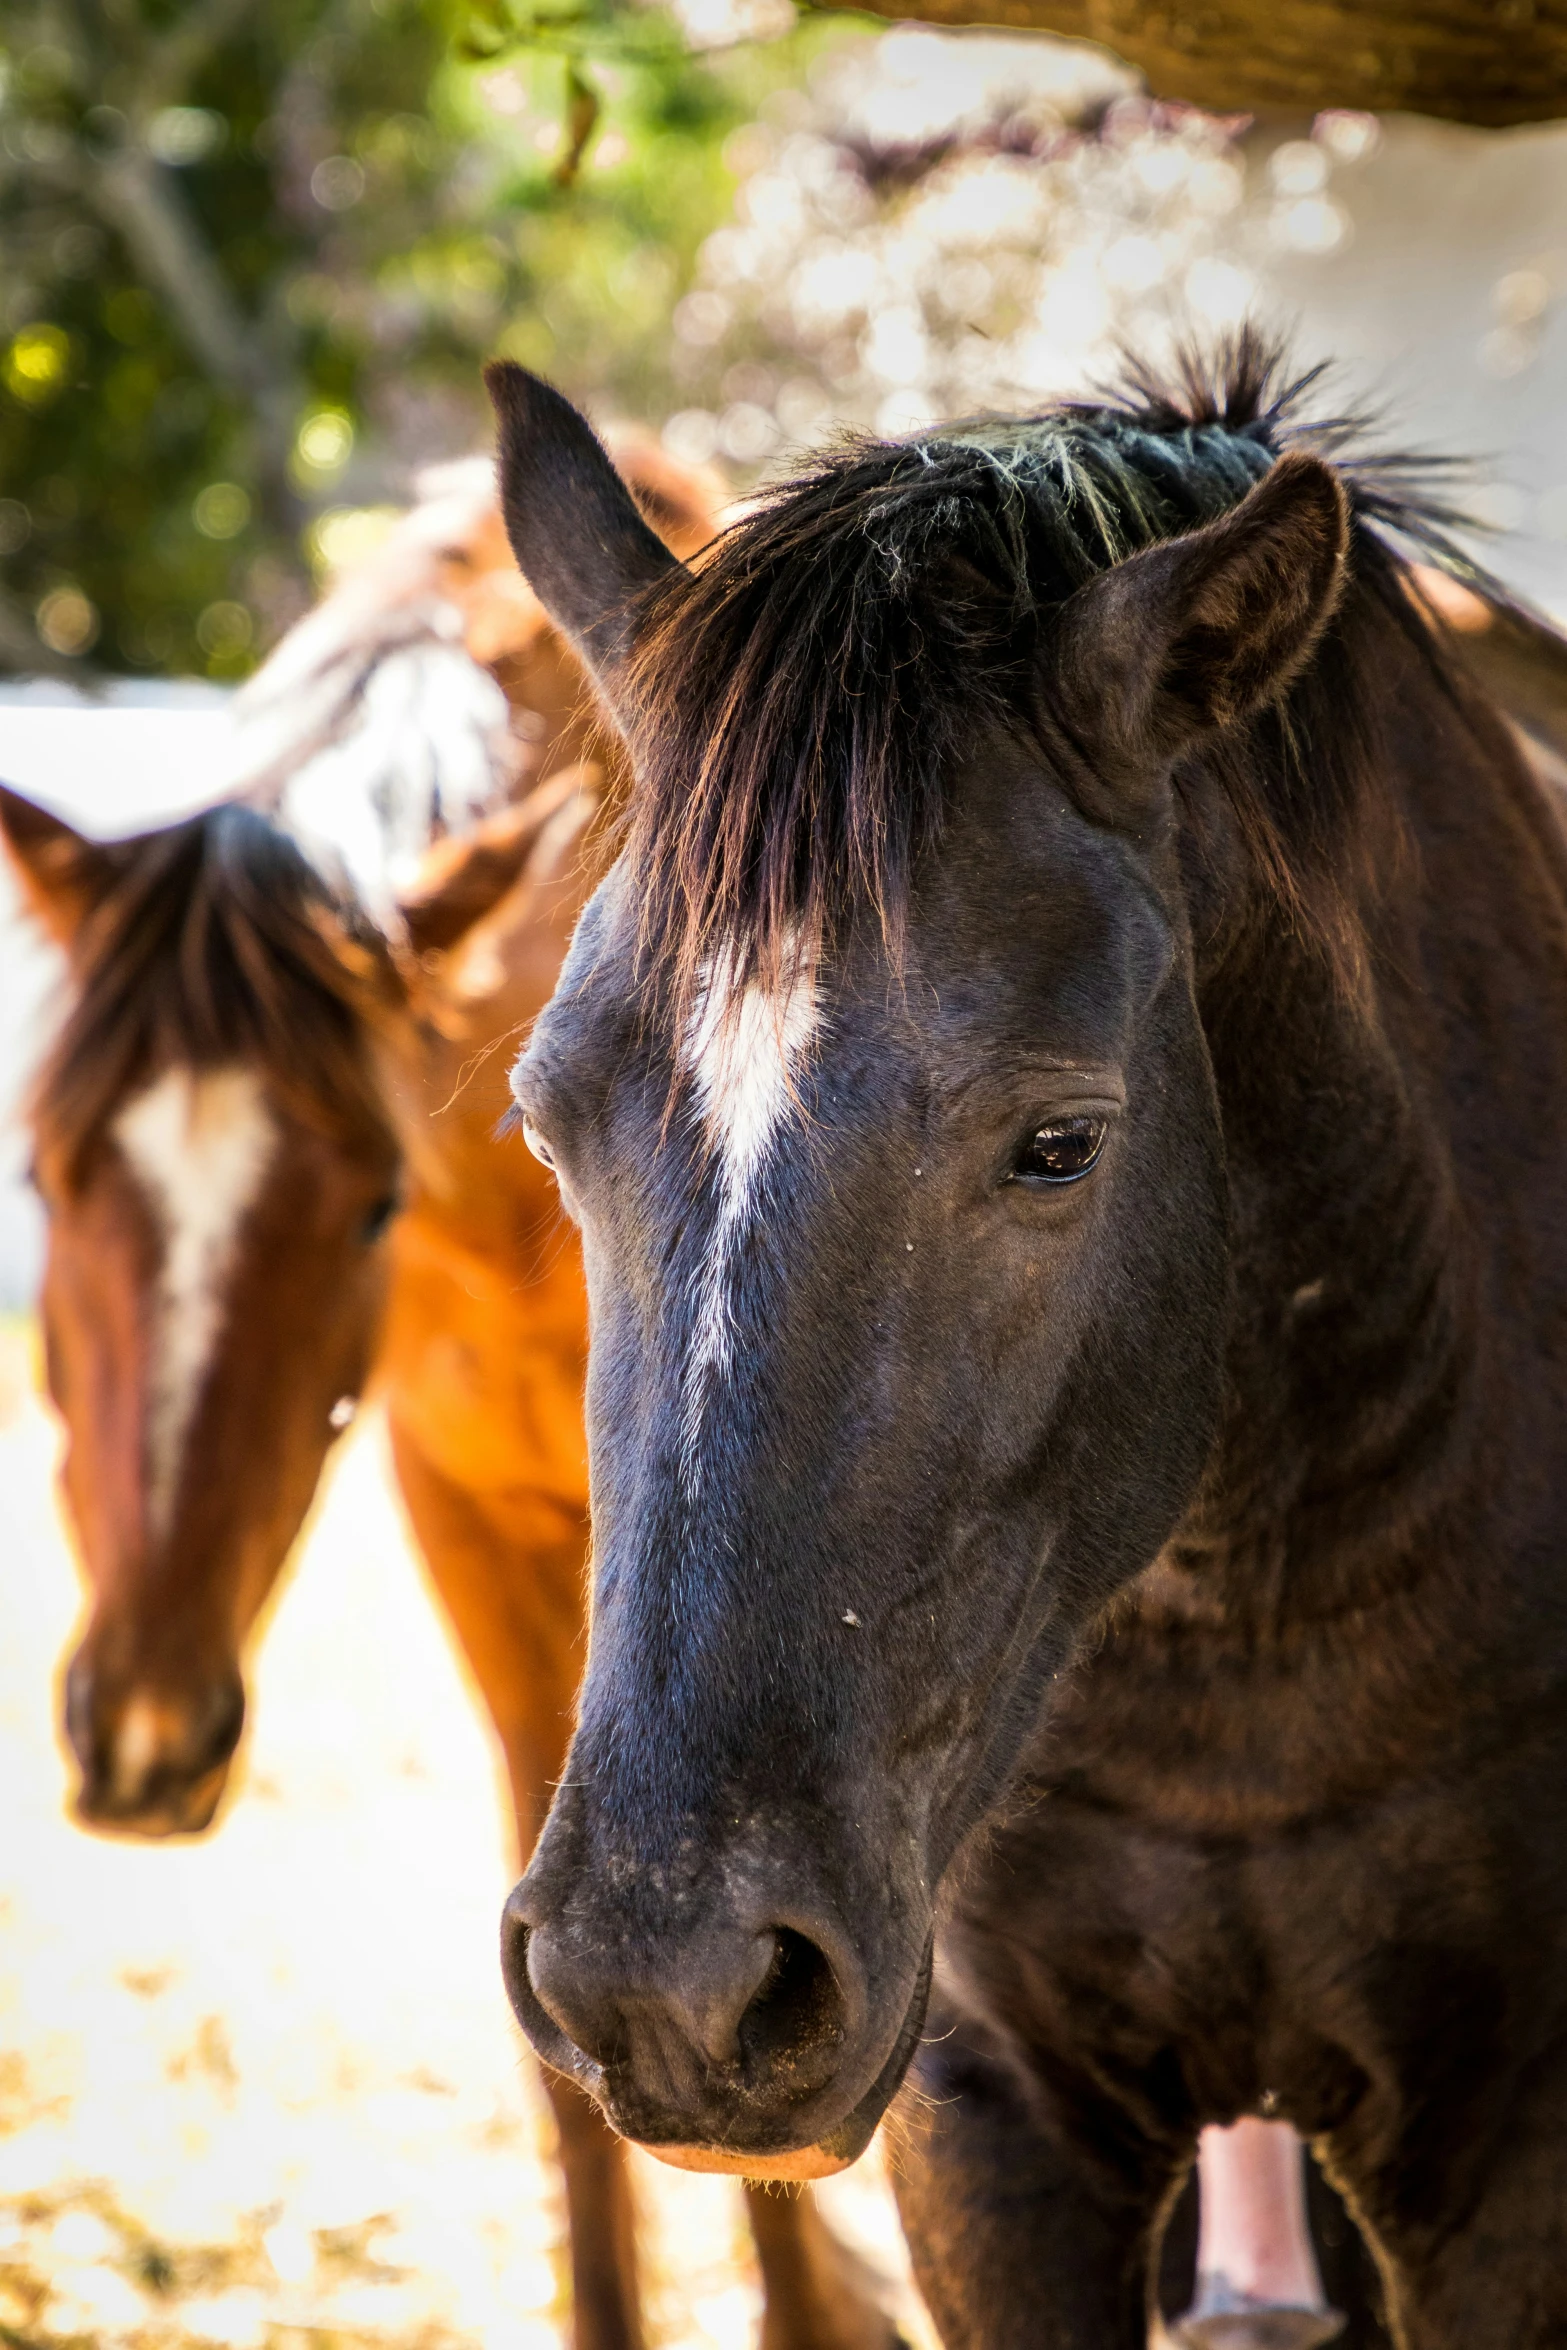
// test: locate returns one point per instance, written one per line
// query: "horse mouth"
(811, 2162)
(183, 1808)
(840, 2146)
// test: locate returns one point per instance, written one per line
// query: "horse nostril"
(516, 1932)
(225, 1721)
(714, 1988)
(540, 1992)
(795, 2010)
(79, 1728)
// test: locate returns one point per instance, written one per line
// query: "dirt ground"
(264, 2090)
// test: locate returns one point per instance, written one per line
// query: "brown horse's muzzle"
(153, 1761)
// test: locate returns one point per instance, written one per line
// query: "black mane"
(796, 699)
(208, 943)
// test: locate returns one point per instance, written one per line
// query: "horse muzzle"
(153, 1763)
(744, 2042)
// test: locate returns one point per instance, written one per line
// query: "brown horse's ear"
(464, 878)
(573, 524)
(493, 912)
(63, 875)
(683, 503)
(1201, 631)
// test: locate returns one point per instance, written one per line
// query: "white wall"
(142, 756)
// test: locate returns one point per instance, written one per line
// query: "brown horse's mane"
(797, 696)
(209, 943)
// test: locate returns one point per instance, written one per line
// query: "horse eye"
(378, 1216)
(1061, 1152)
(536, 1143)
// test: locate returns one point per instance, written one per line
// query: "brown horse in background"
(266, 1140)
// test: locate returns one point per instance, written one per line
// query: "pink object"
(1258, 2284)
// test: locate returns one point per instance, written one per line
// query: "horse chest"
(1192, 1926)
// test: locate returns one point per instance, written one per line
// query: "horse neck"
(486, 1279)
(1393, 1150)
(445, 1065)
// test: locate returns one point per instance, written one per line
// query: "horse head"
(877, 1083)
(220, 1140)
(218, 1177)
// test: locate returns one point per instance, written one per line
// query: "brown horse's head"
(219, 1139)
(218, 1175)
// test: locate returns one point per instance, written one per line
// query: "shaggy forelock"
(798, 698)
(215, 943)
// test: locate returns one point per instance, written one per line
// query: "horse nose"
(153, 1761)
(681, 2030)
(690, 2007)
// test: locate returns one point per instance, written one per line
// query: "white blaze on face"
(742, 1055)
(199, 1145)
(136, 1748)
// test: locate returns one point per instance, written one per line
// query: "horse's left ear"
(1198, 632)
(574, 528)
(63, 875)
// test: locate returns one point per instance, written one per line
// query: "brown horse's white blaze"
(198, 1144)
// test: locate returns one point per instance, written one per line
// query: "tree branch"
(1482, 61)
(138, 198)
(175, 61)
(135, 195)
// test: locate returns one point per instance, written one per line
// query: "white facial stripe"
(742, 1056)
(199, 1145)
(135, 1748)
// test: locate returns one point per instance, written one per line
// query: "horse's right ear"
(581, 544)
(1197, 633)
(63, 875)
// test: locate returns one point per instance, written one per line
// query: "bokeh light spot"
(68, 622)
(338, 183)
(324, 442)
(221, 510)
(345, 535)
(36, 363)
(224, 630)
(181, 135)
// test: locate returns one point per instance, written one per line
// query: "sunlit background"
(245, 282)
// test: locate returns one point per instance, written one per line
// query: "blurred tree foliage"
(251, 252)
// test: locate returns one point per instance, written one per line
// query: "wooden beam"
(1480, 61)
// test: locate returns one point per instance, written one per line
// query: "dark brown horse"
(1065, 1096)
(265, 1139)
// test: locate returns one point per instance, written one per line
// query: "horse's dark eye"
(378, 1216)
(536, 1142)
(1062, 1151)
